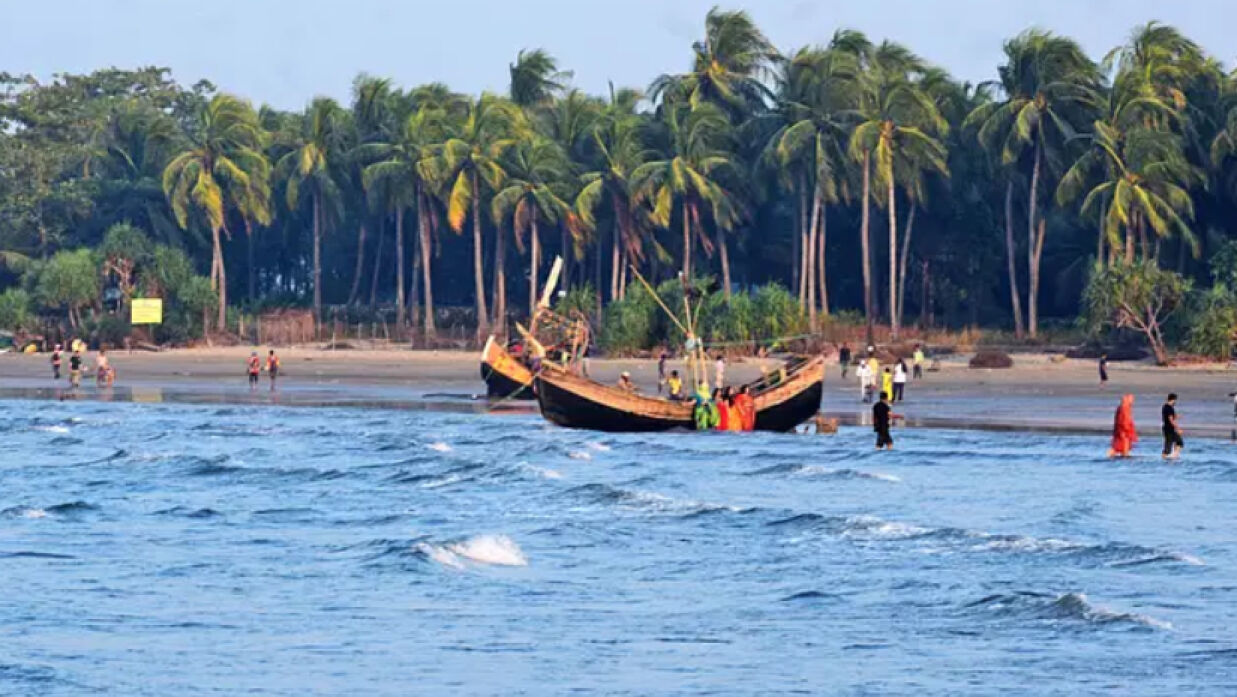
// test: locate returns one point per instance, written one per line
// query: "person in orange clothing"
(745, 404)
(1124, 434)
(722, 401)
(736, 414)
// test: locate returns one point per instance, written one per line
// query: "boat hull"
(504, 376)
(576, 402)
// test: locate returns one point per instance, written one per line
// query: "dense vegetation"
(853, 173)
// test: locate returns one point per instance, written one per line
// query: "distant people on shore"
(105, 375)
(674, 385)
(864, 373)
(75, 369)
(1124, 433)
(56, 362)
(899, 381)
(272, 367)
(918, 359)
(661, 371)
(1173, 442)
(844, 358)
(720, 369)
(886, 385)
(625, 383)
(253, 368)
(1103, 366)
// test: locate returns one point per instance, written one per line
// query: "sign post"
(146, 311)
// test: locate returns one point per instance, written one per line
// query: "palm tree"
(1050, 85)
(216, 171)
(535, 78)
(688, 173)
(1144, 181)
(727, 66)
(898, 134)
(468, 159)
(536, 173)
(813, 95)
(616, 150)
(372, 117)
(310, 165)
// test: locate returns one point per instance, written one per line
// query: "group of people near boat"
(724, 409)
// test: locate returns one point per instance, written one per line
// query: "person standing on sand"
(1103, 369)
(272, 367)
(674, 384)
(918, 358)
(899, 381)
(864, 373)
(253, 367)
(720, 368)
(1124, 434)
(56, 362)
(75, 369)
(882, 418)
(104, 375)
(661, 372)
(1173, 443)
(886, 384)
(844, 358)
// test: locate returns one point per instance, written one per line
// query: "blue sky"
(284, 52)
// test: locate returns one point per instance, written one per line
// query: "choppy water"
(186, 550)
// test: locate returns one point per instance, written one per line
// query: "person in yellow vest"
(674, 385)
(917, 359)
(887, 382)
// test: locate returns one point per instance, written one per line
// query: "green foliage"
(1138, 296)
(778, 313)
(1212, 323)
(628, 324)
(581, 299)
(69, 280)
(15, 308)
(1224, 265)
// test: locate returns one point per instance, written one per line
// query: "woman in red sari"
(1124, 435)
(746, 406)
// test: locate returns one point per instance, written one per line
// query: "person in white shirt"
(899, 381)
(720, 367)
(864, 373)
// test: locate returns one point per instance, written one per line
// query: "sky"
(285, 52)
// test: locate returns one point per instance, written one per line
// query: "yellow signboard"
(147, 311)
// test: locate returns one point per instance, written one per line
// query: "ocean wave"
(1066, 607)
(28, 554)
(579, 455)
(541, 472)
(209, 466)
(649, 501)
(24, 512)
(804, 596)
(52, 429)
(799, 470)
(188, 512)
(439, 447)
(493, 550)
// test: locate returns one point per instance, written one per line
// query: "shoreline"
(1037, 395)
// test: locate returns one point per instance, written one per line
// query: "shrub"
(15, 310)
(628, 323)
(1213, 319)
(992, 359)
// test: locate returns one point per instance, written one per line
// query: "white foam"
(579, 455)
(1028, 544)
(34, 513)
(439, 446)
(885, 477)
(444, 481)
(544, 472)
(871, 527)
(490, 549)
(1190, 559)
(599, 447)
(52, 429)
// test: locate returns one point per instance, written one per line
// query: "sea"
(174, 549)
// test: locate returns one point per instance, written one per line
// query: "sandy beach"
(1036, 394)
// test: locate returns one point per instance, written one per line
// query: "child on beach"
(864, 373)
(272, 367)
(253, 367)
(56, 362)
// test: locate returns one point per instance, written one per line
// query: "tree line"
(949, 203)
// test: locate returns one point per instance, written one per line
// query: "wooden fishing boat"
(783, 401)
(504, 375)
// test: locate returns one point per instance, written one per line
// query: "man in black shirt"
(1172, 432)
(882, 417)
(75, 369)
(844, 358)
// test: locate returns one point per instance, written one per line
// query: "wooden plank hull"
(576, 402)
(504, 376)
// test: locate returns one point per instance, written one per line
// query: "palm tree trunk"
(820, 261)
(866, 244)
(1010, 253)
(567, 250)
(809, 259)
(360, 265)
(414, 289)
(801, 249)
(317, 261)
(534, 263)
(1033, 292)
(373, 280)
(478, 268)
(1032, 210)
(222, 277)
(906, 248)
(500, 280)
(893, 261)
(615, 267)
(721, 243)
(400, 307)
(251, 257)
(687, 243)
(426, 254)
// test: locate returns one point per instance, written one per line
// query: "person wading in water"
(882, 419)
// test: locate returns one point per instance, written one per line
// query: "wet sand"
(1036, 394)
